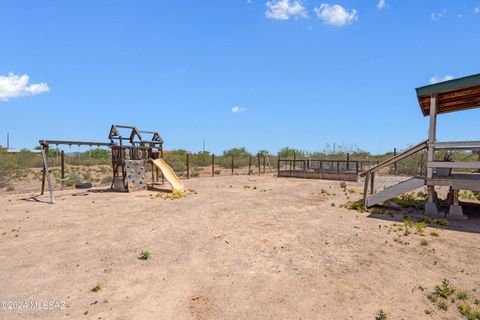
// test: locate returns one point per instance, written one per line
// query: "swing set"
(130, 152)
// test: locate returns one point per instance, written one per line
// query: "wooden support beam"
(454, 164)
(432, 133)
(365, 189)
(258, 162)
(62, 161)
(213, 165)
(372, 182)
(188, 166)
(47, 172)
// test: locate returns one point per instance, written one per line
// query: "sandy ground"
(235, 248)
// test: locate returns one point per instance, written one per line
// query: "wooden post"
(432, 134)
(294, 159)
(478, 160)
(45, 149)
(188, 166)
(338, 166)
(213, 165)
(62, 161)
(232, 164)
(395, 165)
(278, 166)
(250, 165)
(348, 161)
(365, 189)
(258, 162)
(372, 182)
(356, 167)
(45, 167)
(153, 174)
(431, 206)
(263, 164)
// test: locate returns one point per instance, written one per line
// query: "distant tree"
(263, 152)
(202, 158)
(287, 152)
(236, 152)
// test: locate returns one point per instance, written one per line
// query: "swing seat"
(64, 179)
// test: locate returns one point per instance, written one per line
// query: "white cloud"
(436, 79)
(284, 9)
(476, 10)
(381, 4)
(238, 109)
(12, 86)
(438, 15)
(335, 14)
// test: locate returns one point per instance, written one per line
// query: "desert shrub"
(471, 313)
(7, 167)
(462, 295)
(376, 211)
(424, 243)
(195, 172)
(241, 158)
(422, 195)
(289, 153)
(354, 205)
(144, 255)
(441, 222)
(202, 159)
(442, 304)
(469, 195)
(381, 315)
(405, 200)
(97, 288)
(444, 290)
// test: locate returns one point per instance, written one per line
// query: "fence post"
(232, 164)
(258, 162)
(213, 165)
(188, 166)
(250, 165)
(356, 167)
(294, 159)
(348, 161)
(278, 166)
(395, 165)
(264, 164)
(62, 161)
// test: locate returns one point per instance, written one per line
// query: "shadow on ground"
(470, 209)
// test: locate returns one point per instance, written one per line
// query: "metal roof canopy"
(453, 95)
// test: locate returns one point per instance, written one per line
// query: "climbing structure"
(132, 150)
(445, 97)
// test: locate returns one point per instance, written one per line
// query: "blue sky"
(300, 73)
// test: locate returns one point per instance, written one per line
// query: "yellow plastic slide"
(169, 174)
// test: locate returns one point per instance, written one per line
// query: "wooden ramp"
(395, 190)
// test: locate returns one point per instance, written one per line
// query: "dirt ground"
(235, 247)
